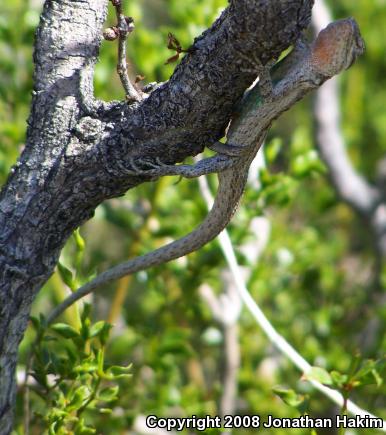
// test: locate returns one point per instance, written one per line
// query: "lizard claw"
(158, 163)
(145, 167)
(135, 169)
(152, 168)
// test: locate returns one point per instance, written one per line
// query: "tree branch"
(124, 27)
(365, 198)
(226, 310)
(79, 151)
(305, 69)
(350, 185)
(274, 337)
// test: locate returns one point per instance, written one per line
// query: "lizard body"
(304, 69)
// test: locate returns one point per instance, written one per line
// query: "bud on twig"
(129, 24)
(111, 33)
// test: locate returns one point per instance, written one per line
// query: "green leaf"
(338, 379)
(118, 372)
(67, 276)
(72, 356)
(320, 375)
(292, 399)
(105, 410)
(354, 365)
(40, 325)
(43, 320)
(366, 368)
(79, 245)
(65, 330)
(101, 330)
(377, 377)
(109, 394)
(121, 369)
(86, 312)
(35, 322)
(52, 429)
(85, 328)
(369, 372)
(272, 149)
(104, 336)
(80, 396)
(101, 361)
(303, 165)
(97, 328)
(39, 375)
(82, 429)
(79, 241)
(86, 367)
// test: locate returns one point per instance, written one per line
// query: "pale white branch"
(275, 338)
(350, 185)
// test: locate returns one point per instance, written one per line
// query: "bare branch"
(365, 198)
(226, 310)
(350, 185)
(299, 73)
(125, 26)
(274, 337)
(79, 152)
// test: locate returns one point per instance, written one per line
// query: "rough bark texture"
(78, 150)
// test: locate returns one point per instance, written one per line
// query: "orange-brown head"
(337, 47)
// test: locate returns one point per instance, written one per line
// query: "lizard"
(304, 69)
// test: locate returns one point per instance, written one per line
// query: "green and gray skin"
(304, 69)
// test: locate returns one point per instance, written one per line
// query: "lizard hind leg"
(227, 149)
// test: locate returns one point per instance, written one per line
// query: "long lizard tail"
(231, 186)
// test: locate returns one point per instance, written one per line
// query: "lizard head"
(337, 47)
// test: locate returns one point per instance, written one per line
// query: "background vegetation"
(318, 279)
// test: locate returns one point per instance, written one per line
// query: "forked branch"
(304, 70)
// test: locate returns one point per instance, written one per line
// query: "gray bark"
(78, 150)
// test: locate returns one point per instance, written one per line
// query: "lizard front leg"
(227, 149)
(263, 71)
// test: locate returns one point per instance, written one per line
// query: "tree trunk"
(78, 150)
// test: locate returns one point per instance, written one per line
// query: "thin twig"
(276, 339)
(125, 27)
(364, 198)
